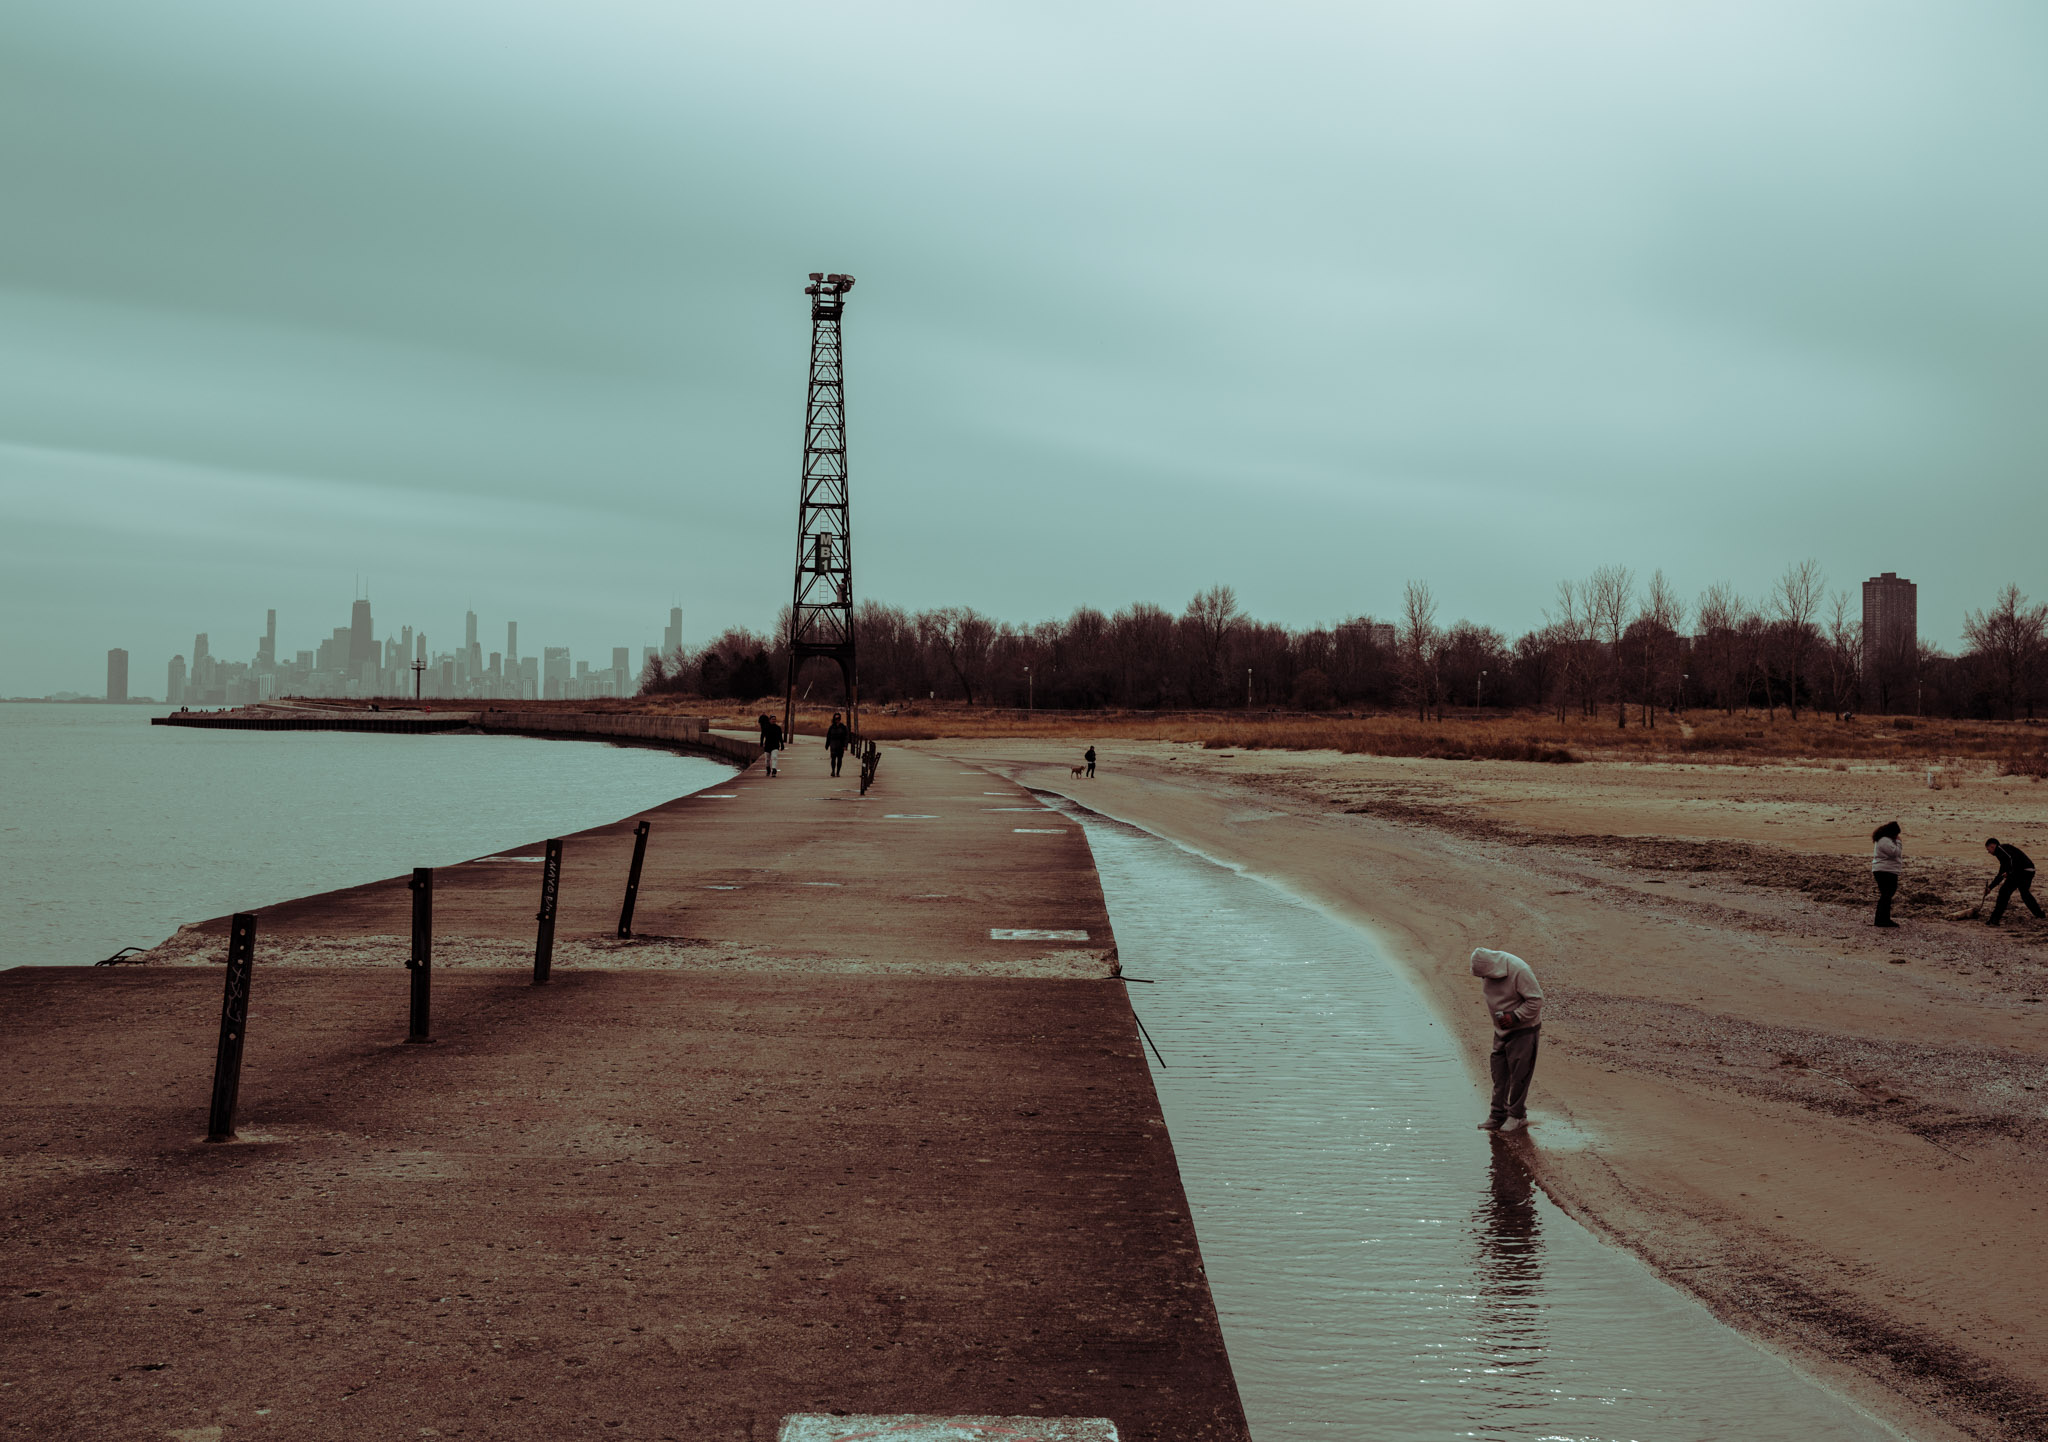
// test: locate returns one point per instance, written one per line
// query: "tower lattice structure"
(821, 607)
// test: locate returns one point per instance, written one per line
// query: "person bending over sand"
(2015, 873)
(1514, 1000)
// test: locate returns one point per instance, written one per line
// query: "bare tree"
(1419, 639)
(1211, 617)
(1797, 602)
(1656, 630)
(2007, 641)
(1844, 653)
(1572, 628)
(1719, 614)
(1609, 594)
(964, 637)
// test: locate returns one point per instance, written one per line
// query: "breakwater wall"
(686, 733)
(270, 718)
(683, 733)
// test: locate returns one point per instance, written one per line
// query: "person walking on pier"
(1090, 759)
(837, 739)
(771, 741)
(1514, 1000)
(1887, 860)
(2015, 873)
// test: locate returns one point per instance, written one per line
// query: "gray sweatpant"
(1514, 1062)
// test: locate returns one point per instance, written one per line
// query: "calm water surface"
(114, 832)
(1383, 1269)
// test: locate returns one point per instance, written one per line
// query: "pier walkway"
(857, 1122)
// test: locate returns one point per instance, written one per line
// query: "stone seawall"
(692, 733)
(686, 733)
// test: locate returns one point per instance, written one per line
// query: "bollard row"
(234, 1006)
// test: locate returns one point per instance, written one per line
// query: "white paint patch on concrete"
(1025, 933)
(482, 859)
(824, 883)
(716, 796)
(1039, 830)
(721, 888)
(908, 816)
(1016, 808)
(817, 1427)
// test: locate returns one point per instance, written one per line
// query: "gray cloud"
(500, 306)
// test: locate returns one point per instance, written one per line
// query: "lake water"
(1382, 1268)
(114, 832)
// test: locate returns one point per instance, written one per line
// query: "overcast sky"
(500, 304)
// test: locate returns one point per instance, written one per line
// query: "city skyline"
(353, 660)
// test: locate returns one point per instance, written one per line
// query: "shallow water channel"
(1383, 1269)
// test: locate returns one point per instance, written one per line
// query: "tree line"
(1611, 645)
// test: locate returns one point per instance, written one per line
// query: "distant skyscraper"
(622, 670)
(672, 637)
(362, 638)
(511, 643)
(1891, 640)
(554, 672)
(174, 688)
(266, 649)
(117, 675)
(469, 629)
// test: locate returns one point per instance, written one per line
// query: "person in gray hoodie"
(1514, 1000)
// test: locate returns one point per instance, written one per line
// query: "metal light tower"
(821, 609)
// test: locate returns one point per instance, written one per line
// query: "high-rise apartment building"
(554, 672)
(174, 685)
(117, 675)
(1891, 641)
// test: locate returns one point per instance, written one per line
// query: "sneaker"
(1515, 1124)
(1489, 1125)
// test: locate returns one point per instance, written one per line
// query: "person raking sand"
(1514, 999)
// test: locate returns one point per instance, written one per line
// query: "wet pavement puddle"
(1383, 1269)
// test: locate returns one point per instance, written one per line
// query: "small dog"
(1079, 772)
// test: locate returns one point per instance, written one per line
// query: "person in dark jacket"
(771, 742)
(1887, 860)
(2015, 873)
(837, 739)
(1089, 757)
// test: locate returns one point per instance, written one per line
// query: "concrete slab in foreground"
(653, 1203)
(948, 1429)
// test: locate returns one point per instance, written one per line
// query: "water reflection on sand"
(1384, 1270)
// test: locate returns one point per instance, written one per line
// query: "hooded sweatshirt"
(1510, 987)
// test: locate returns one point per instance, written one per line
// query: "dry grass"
(2014, 748)
(1703, 737)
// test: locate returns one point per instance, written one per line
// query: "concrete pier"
(856, 1123)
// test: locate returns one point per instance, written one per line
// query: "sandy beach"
(1830, 1134)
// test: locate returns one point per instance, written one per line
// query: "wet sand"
(1831, 1135)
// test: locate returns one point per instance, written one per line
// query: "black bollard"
(633, 880)
(234, 1022)
(550, 888)
(421, 963)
